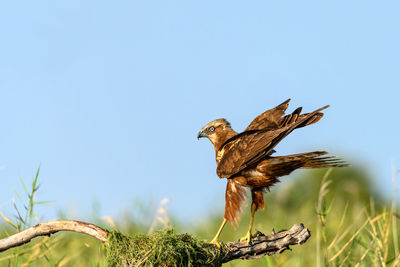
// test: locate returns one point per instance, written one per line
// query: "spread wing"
(270, 118)
(273, 119)
(249, 148)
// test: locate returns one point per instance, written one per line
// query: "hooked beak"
(201, 134)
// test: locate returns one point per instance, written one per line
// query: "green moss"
(163, 248)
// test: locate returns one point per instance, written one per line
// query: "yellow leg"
(215, 239)
(248, 235)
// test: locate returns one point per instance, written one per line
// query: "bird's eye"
(212, 128)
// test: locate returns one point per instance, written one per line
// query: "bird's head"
(214, 130)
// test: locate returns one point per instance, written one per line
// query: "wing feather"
(270, 118)
(249, 149)
(274, 118)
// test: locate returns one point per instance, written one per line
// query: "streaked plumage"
(245, 158)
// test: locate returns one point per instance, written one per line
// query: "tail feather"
(284, 165)
(328, 162)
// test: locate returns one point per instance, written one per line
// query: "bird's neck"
(221, 137)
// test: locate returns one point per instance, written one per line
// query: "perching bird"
(245, 158)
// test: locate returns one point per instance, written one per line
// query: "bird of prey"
(245, 158)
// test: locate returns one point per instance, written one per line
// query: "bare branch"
(260, 246)
(267, 245)
(48, 228)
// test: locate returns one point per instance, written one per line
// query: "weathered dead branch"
(48, 228)
(267, 245)
(260, 246)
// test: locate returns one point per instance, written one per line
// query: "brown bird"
(245, 158)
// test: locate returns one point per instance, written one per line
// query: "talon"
(215, 239)
(247, 238)
(215, 243)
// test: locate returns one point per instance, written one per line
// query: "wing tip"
(320, 109)
(324, 107)
(284, 103)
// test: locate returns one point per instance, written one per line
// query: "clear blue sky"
(109, 96)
